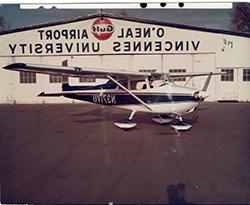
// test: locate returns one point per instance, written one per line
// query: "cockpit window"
(124, 83)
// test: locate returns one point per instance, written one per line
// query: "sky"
(207, 18)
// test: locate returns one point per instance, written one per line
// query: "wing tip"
(15, 65)
(41, 94)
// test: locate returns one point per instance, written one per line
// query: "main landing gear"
(127, 123)
(180, 125)
(161, 119)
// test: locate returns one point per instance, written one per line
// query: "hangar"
(117, 42)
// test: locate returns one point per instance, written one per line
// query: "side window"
(246, 74)
(124, 83)
(27, 77)
(133, 85)
(87, 80)
(137, 84)
(178, 71)
(229, 76)
(55, 78)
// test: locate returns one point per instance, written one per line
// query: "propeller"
(201, 96)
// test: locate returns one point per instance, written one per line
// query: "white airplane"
(168, 101)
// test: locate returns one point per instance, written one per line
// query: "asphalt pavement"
(73, 154)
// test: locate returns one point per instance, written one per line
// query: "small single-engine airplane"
(168, 101)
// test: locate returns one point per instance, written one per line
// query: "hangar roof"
(108, 15)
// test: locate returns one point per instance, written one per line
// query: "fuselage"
(167, 98)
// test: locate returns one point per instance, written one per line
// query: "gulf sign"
(102, 28)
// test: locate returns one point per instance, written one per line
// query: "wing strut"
(129, 92)
(207, 82)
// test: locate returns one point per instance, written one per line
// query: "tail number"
(104, 99)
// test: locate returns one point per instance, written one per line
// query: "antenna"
(101, 14)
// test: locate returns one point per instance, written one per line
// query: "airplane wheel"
(125, 124)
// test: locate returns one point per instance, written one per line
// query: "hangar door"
(227, 85)
(224, 87)
(205, 63)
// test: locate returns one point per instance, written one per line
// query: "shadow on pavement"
(176, 194)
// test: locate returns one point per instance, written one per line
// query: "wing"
(75, 71)
(98, 73)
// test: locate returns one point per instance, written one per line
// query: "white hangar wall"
(235, 55)
(129, 44)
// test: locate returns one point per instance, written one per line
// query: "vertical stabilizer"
(65, 79)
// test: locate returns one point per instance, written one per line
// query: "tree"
(241, 17)
(3, 24)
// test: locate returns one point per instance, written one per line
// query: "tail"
(65, 83)
(67, 87)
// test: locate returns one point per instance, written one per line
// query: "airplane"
(167, 101)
